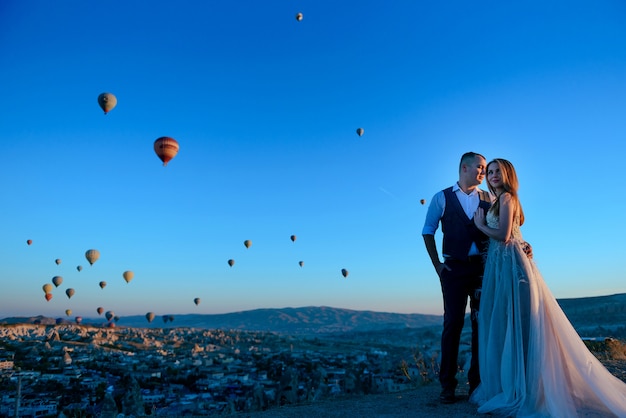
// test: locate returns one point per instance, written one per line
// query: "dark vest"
(458, 230)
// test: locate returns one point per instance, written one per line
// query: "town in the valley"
(80, 370)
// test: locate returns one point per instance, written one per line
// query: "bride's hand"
(479, 217)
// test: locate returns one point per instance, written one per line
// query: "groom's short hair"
(469, 157)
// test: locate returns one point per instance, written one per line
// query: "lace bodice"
(493, 221)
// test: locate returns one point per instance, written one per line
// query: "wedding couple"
(532, 361)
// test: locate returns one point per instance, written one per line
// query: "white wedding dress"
(532, 361)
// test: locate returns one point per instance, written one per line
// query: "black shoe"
(447, 396)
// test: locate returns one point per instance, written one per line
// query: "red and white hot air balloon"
(166, 148)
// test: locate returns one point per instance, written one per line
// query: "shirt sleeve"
(435, 213)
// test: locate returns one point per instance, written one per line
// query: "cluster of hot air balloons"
(92, 255)
(166, 148)
(248, 243)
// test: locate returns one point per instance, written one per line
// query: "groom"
(461, 272)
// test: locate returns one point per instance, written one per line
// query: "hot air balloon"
(92, 256)
(79, 268)
(48, 296)
(171, 318)
(68, 312)
(299, 17)
(360, 131)
(247, 243)
(109, 314)
(150, 316)
(78, 319)
(301, 263)
(57, 280)
(128, 276)
(196, 301)
(116, 318)
(231, 262)
(69, 292)
(166, 148)
(103, 284)
(344, 272)
(58, 261)
(293, 238)
(422, 201)
(100, 310)
(29, 241)
(47, 288)
(165, 319)
(111, 324)
(107, 102)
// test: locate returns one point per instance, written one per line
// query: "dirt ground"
(420, 402)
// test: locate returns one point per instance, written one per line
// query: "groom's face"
(475, 171)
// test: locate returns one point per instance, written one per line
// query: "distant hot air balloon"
(293, 238)
(231, 262)
(299, 17)
(344, 272)
(47, 288)
(111, 324)
(57, 280)
(166, 148)
(165, 319)
(301, 263)
(128, 276)
(150, 316)
(422, 201)
(107, 102)
(29, 241)
(103, 284)
(68, 312)
(109, 315)
(100, 310)
(116, 318)
(171, 318)
(48, 296)
(360, 131)
(78, 319)
(196, 301)
(69, 292)
(92, 256)
(247, 243)
(79, 268)
(58, 261)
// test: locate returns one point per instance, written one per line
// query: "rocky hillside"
(592, 316)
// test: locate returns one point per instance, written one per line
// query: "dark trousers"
(463, 281)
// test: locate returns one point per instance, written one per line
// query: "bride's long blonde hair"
(510, 184)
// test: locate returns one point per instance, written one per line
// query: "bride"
(532, 361)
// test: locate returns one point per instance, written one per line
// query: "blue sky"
(265, 110)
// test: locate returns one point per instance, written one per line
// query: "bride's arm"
(503, 231)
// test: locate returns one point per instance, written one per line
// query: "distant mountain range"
(588, 312)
